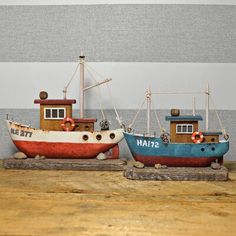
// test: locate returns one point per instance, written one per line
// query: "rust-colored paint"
(113, 153)
(55, 124)
(65, 150)
(211, 138)
(181, 138)
(84, 126)
(54, 101)
(178, 161)
(85, 120)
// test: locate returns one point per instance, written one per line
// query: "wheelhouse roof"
(54, 101)
(184, 118)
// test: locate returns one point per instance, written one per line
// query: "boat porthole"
(85, 137)
(202, 149)
(99, 137)
(112, 135)
(86, 127)
(213, 139)
(213, 149)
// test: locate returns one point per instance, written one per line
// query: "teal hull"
(152, 150)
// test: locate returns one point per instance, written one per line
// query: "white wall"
(21, 83)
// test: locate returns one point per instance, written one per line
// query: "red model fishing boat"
(62, 136)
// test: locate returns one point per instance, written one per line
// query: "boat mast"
(148, 96)
(81, 62)
(207, 92)
(194, 106)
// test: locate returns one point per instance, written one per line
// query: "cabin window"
(184, 129)
(54, 113)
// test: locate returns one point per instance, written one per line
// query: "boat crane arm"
(97, 84)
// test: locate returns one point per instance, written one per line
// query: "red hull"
(178, 161)
(66, 150)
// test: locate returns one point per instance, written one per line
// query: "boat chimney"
(175, 112)
(43, 95)
(207, 93)
(148, 97)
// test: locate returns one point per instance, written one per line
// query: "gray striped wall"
(116, 33)
(145, 33)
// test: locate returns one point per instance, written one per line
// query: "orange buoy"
(197, 137)
(71, 124)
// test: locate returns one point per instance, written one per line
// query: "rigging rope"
(176, 93)
(162, 129)
(135, 117)
(96, 72)
(99, 92)
(217, 115)
(117, 115)
(109, 92)
(72, 77)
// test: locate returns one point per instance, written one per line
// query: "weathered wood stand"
(176, 173)
(64, 164)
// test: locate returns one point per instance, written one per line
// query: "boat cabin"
(182, 128)
(54, 111)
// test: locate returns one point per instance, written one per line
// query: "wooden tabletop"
(34, 202)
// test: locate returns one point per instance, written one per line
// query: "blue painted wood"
(184, 118)
(153, 146)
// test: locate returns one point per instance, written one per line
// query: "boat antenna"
(194, 106)
(207, 94)
(148, 97)
(81, 62)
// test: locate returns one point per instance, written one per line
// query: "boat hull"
(61, 144)
(151, 151)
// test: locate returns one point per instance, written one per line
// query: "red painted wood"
(62, 150)
(178, 161)
(85, 120)
(55, 101)
(113, 153)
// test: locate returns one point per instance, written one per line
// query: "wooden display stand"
(176, 173)
(64, 164)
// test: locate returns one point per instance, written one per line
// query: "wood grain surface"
(176, 173)
(42, 202)
(64, 164)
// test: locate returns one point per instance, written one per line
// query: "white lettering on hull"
(145, 143)
(22, 133)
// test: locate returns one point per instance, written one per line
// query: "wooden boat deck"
(42, 202)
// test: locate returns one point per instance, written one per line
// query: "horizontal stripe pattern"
(92, 2)
(143, 33)
(24, 81)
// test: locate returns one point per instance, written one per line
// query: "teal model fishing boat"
(185, 145)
